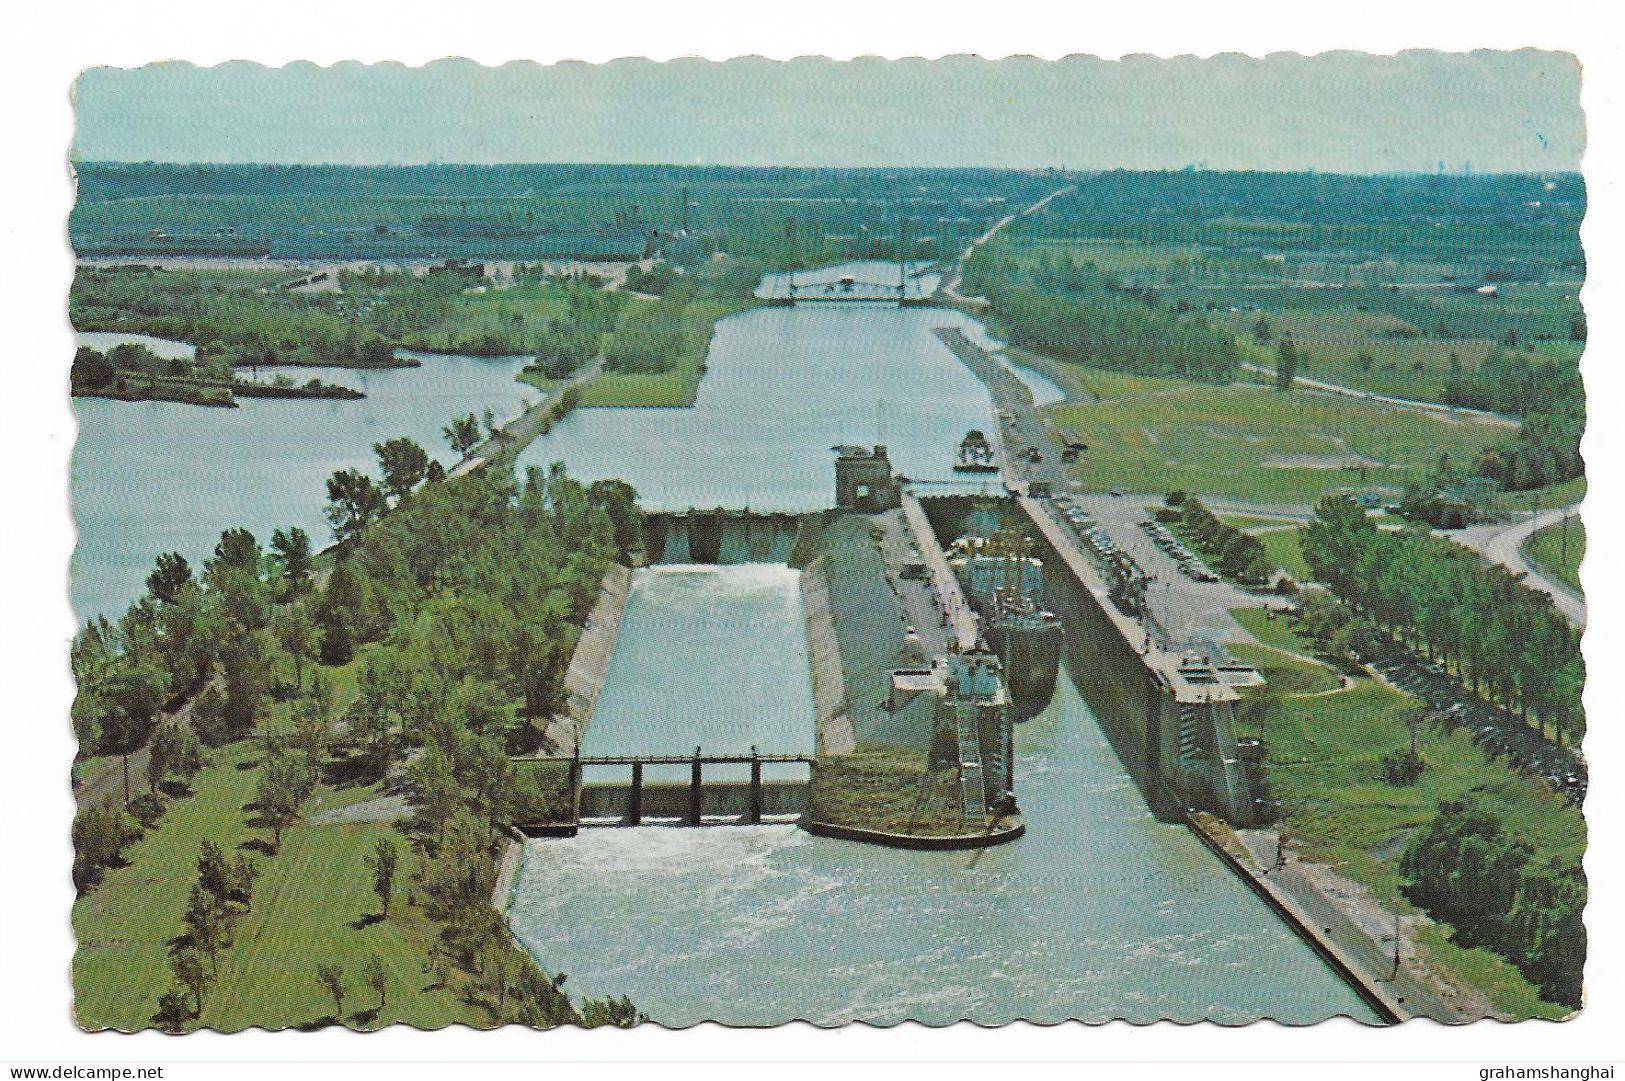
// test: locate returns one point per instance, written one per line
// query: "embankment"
(835, 733)
(1382, 993)
(589, 665)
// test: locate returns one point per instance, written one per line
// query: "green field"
(1285, 552)
(1549, 549)
(1286, 675)
(124, 925)
(1250, 442)
(1325, 767)
(1275, 632)
(314, 904)
(310, 901)
(520, 314)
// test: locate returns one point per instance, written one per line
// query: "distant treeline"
(1074, 313)
(1513, 216)
(1550, 398)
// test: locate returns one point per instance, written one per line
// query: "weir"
(723, 537)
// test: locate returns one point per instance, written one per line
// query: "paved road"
(949, 286)
(1481, 416)
(1503, 543)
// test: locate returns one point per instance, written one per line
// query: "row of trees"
(1466, 869)
(469, 595)
(1072, 312)
(1232, 552)
(1501, 638)
(1548, 395)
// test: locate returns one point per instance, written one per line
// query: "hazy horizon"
(1352, 113)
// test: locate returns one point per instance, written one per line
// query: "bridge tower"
(902, 258)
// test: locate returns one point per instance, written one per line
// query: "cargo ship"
(1004, 584)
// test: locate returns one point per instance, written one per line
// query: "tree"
(192, 974)
(404, 465)
(132, 698)
(292, 550)
(463, 433)
(169, 576)
(175, 749)
(236, 550)
(378, 979)
(435, 792)
(246, 663)
(91, 369)
(1286, 363)
(208, 924)
(331, 977)
(100, 836)
(354, 502)
(283, 786)
(296, 631)
(382, 863)
(173, 1012)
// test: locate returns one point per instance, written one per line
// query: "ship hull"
(1030, 653)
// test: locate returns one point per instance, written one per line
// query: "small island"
(134, 373)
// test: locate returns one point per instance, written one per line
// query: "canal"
(783, 386)
(1099, 912)
(689, 632)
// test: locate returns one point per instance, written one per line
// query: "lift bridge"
(851, 289)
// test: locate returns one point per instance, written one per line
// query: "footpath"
(1364, 956)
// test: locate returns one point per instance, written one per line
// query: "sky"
(1335, 112)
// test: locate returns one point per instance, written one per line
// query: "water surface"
(1098, 912)
(713, 657)
(783, 386)
(152, 477)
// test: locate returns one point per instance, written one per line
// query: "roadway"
(1481, 416)
(1503, 543)
(1182, 605)
(949, 286)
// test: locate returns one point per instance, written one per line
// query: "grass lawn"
(1286, 675)
(1250, 442)
(1553, 554)
(677, 387)
(124, 925)
(887, 788)
(313, 904)
(1325, 766)
(1275, 632)
(498, 313)
(1565, 494)
(1285, 551)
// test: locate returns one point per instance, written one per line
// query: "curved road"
(1503, 544)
